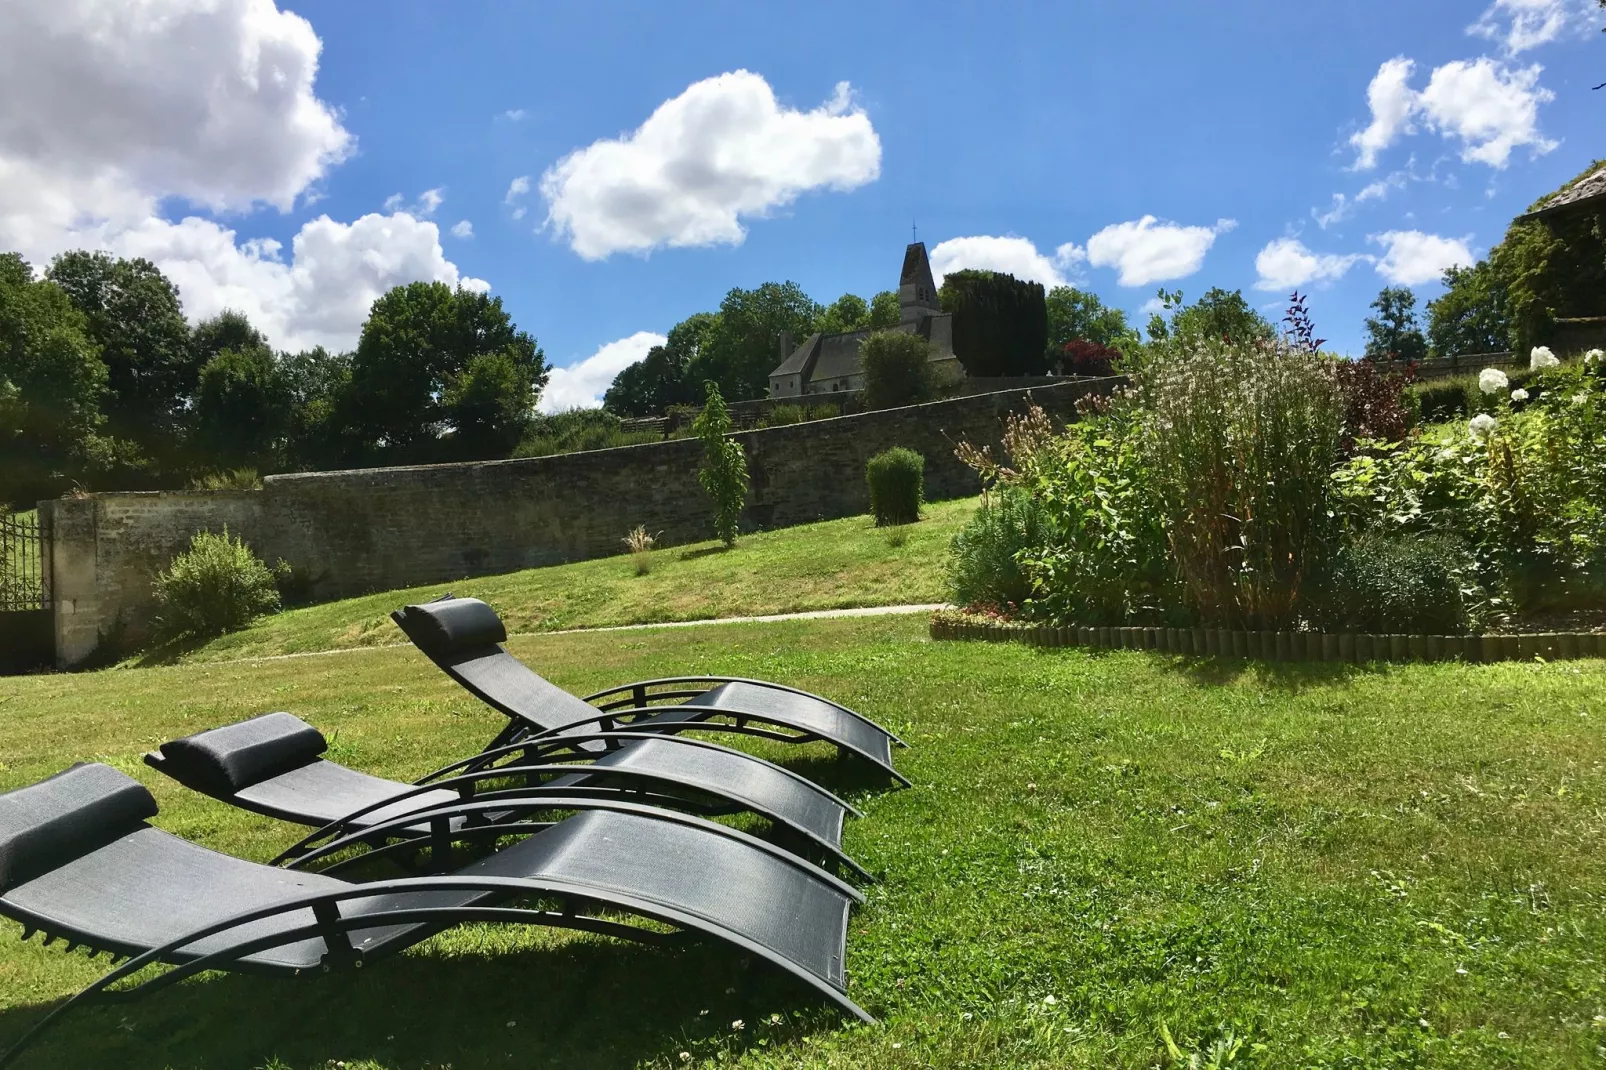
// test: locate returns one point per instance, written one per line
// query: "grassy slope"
(1396, 866)
(830, 565)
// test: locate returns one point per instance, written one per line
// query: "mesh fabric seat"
(78, 860)
(463, 636)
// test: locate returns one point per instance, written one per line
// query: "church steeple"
(917, 293)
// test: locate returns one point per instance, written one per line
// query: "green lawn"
(835, 564)
(1294, 866)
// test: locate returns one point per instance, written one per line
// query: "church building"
(829, 363)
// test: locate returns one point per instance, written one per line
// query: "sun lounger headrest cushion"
(66, 816)
(453, 625)
(222, 761)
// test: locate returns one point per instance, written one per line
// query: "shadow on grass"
(1288, 676)
(168, 653)
(588, 1002)
(704, 551)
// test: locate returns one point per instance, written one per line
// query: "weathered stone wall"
(346, 533)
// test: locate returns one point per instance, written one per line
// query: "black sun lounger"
(464, 635)
(78, 862)
(271, 764)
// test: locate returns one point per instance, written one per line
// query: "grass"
(830, 565)
(1270, 865)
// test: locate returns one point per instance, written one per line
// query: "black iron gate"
(27, 635)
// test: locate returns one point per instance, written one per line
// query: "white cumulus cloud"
(422, 208)
(1520, 25)
(110, 109)
(462, 229)
(1492, 109)
(1488, 107)
(1411, 257)
(319, 295)
(1286, 264)
(582, 384)
(1392, 101)
(723, 150)
(1147, 250)
(1015, 256)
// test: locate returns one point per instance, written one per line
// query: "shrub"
(640, 545)
(1241, 438)
(897, 369)
(781, 415)
(577, 430)
(230, 479)
(1399, 584)
(897, 480)
(983, 565)
(724, 471)
(1376, 402)
(1079, 357)
(218, 585)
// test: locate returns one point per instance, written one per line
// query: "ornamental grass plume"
(1493, 381)
(1482, 426)
(1541, 358)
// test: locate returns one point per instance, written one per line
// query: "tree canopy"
(1394, 333)
(51, 385)
(1000, 322)
(405, 395)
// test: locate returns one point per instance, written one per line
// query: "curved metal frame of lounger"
(465, 784)
(333, 928)
(640, 697)
(639, 719)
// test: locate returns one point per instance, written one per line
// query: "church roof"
(839, 356)
(798, 362)
(1586, 191)
(916, 268)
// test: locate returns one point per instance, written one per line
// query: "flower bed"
(1353, 647)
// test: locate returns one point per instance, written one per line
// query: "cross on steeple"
(913, 236)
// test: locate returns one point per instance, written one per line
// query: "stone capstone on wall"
(348, 533)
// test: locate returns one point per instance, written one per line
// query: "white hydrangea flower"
(1482, 425)
(1594, 357)
(1492, 381)
(1580, 399)
(1519, 394)
(1541, 358)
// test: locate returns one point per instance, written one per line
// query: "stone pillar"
(75, 602)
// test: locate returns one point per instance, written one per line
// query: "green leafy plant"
(228, 479)
(983, 567)
(1383, 583)
(897, 369)
(897, 479)
(724, 471)
(218, 585)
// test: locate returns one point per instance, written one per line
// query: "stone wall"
(347, 533)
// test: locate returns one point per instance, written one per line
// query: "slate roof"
(839, 356)
(798, 362)
(917, 268)
(1586, 191)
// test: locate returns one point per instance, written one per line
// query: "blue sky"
(328, 149)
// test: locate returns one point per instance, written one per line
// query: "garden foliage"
(218, 585)
(724, 471)
(1262, 484)
(897, 480)
(897, 369)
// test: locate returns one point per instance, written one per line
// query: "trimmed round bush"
(218, 585)
(897, 481)
(1399, 585)
(982, 565)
